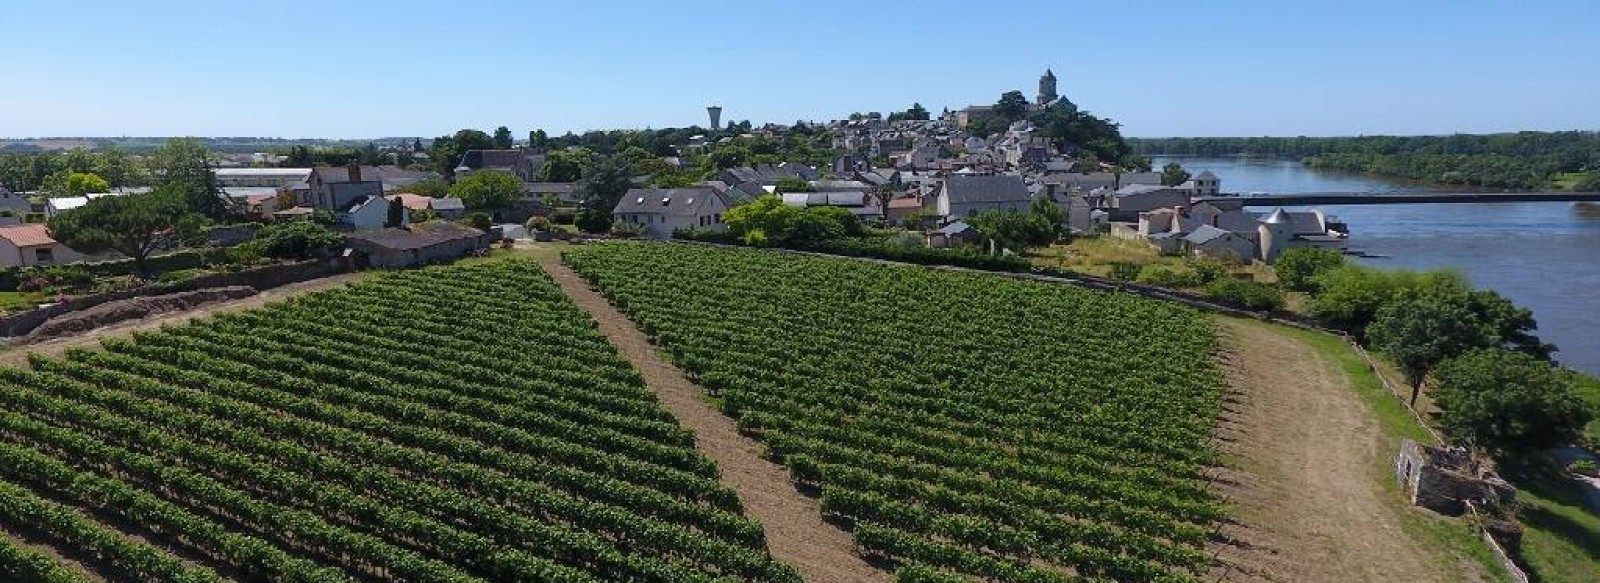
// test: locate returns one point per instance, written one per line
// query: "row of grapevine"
(463, 423)
(964, 425)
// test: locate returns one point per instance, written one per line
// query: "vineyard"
(961, 426)
(451, 424)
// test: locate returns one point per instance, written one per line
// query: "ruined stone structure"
(1444, 479)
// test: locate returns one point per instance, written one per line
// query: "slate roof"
(1138, 189)
(548, 187)
(828, 185)
(690, 202)
(1204, 233)
(1206, 175)
(837, 198)
(985, 189)
(420, 235)
(955, 228)
(494, 159)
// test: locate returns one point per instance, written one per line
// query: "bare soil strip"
(796, 533)
(18, 355)
(1311, 507)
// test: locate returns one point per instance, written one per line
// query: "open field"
(452, 424)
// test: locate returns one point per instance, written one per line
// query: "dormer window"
(666, 201)
(639, 200)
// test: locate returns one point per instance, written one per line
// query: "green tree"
(1507, 402)
(68, 183)
(479, 220)
(917, 112)
(1173, 174)
(502, 138)
(1420, 330)
(538, 140)
(1512, 326)
(788, 184)
(593, 221)
(447, 151)
(187, 167)
(566, 164)
(432, 187)
(1351, 295)
(295, 240)
(1299, 268)
(604, 184)
(1013, 105)
(487, 189)
(369, 155)
(117, 168)
(134, 225)
(1040, 226)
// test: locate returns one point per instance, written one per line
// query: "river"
(1543, 255)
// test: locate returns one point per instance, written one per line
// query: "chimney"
(355, 171)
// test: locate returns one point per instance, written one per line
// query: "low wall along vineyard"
(962, 425)
(450, 424)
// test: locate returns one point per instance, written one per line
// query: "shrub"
(181, 275)
(563, 216)
(1208, 270)
(537, 224)
(1584, 468)
(1299, 268)
(593, 221)
(295, 240)
(1507, 402)
(1161, 275)
(1124, 271)
(1246, 294)
(478, 220)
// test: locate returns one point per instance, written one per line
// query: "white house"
(660, 211)
(30, 244)
(369, 212)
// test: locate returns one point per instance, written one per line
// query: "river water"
(1543, 255)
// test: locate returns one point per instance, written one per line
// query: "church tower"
(1047, 87)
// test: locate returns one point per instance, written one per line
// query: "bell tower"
(1047, 87)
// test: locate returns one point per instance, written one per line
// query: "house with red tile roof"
(30, 244)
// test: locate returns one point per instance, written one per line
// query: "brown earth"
(793, 522)
(1306, 484)
(110, 313)
(18, 355)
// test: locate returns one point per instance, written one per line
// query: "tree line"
(1510, 160)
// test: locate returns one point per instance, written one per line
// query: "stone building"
(1445, 479)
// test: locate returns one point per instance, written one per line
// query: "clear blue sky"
(350, 69)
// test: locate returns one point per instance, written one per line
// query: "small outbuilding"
(421, 244)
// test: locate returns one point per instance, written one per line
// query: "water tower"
(716, 116)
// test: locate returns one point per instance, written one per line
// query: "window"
(44, 255)
(666, 201)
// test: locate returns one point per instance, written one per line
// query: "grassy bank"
(1561, 542)
(1451, 540)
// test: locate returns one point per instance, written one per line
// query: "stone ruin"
(1444, 479)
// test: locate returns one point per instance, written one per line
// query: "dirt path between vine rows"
(793, 522)
(1305, 487)
(17, 356)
